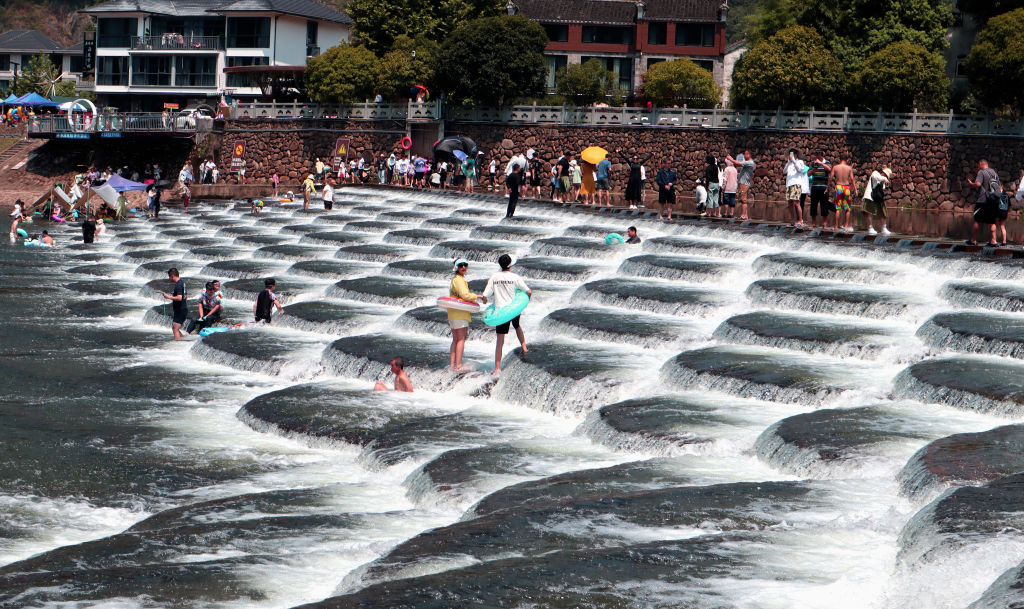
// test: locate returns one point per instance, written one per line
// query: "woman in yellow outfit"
(459, 320)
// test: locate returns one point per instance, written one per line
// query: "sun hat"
(887, 172)
(458, 262)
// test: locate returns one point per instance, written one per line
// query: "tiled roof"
(301, 8)
(309, 9)
(739, 44)
(27, 40)
(77, 47)
(617, 12)
(682, 10)
(613, 12)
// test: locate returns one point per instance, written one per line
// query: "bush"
(587, 84)
(901, 77)
(680, 82)
(793, 69)
(344, 73)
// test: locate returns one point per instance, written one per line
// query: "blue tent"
(10, 99)
(120, 184)
(35, 99)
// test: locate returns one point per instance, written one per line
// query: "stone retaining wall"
(928, 171)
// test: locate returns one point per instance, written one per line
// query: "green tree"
(377, 23)
(345, 73)
(493, 60)
(793, 69)
(399, 70)
(996, 63)
(856, 29)
(33, 77)
(588, 83)
(901, 77)
(681, 82)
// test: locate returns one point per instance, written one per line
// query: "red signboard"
(170, 105)
(340, 153)
(237, 155)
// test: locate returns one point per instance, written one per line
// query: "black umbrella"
(445, 149)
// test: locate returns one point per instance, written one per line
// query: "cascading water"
(723, 416)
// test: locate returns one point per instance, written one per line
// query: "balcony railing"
(112, 125)
(177, 42)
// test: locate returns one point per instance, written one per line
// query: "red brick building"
(630, 36)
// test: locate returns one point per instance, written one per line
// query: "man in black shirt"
(564, 181)
(513, 182)
(266, 301)
(179, 304)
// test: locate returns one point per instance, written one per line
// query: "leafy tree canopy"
(493, 60)
(588, 83)
(793, 69)
(901, 77)
(344, 73)
(377, 23)
(855, 29)
(996, 63)
(680, 82)
(399, 70)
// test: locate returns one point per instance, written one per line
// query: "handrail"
(695, 118)
(177, 42)
(116, 123)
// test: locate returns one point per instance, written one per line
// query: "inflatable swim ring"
(209, 331)
(22, 233)
(613, 238)
(508, 312)
(457, 304)
(406, 142)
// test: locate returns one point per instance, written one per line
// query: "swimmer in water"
(402, 380)
(47, 239)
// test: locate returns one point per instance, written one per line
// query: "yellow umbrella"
(594, 155)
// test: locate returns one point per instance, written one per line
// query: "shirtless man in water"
(845, 181)
(402, 380)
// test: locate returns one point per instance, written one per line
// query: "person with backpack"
(874, 200)
(986, 209)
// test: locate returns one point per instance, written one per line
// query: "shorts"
(566, 187)
(843, 197)
(180, 316)
(819, 196)
(729, 199)
(418, 175)
(603, 184)
(458, 324)
(793, 192)
(743, 192)
(713, 192)
(503, 328)
(328, 204)
(666, 197)
(876, 210)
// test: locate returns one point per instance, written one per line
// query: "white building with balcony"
(17, 47)
(149, 53)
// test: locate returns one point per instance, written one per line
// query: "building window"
(607, 35)
(189, 28)
(657, 33)
(112, 71)
(77, 63)
(622, 66)
(695, 35)
(958, 19)
(555, 63)
(557, 33)
(25, 59)
(239, 81)
(5, 62)
(961, 68)
(653, 60)
(191, 71)
(116, 33)
(151, 71)
(249, 33)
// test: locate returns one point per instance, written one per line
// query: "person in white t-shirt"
(328, 195)
(501, 288)
(702, 197)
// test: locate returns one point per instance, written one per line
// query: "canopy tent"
(107, 193)
(121, 184)
(35, 99)
(71, 106)
(10, 99)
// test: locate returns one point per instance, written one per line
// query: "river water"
(720, 417)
